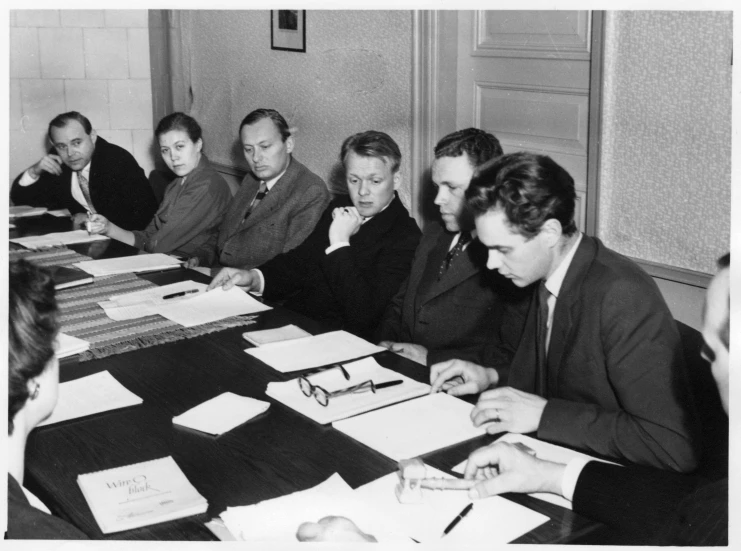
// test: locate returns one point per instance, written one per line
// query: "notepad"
(493, 520)
(267, 336)
(146, 303)
(547, 452)
(22, 211)
(67, 345)
(319, 350)
(129, 264)
(222, 413)
(58, 239)
(214, 305)
(140, 494)
(66, 277)
(415, 427)
(341, 407)
(90, 395)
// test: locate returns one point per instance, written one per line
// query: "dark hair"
(259, 114)
(372, 143)
(32, 328)
(179, 121)
(480, 146)
(60, 121)
(724, 261)
(725, 333)
(529, 188)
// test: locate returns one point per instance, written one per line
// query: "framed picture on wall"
(288, 30)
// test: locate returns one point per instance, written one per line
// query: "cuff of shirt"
(261, 286)
(336, 246)
(571, 475)
(27, 179)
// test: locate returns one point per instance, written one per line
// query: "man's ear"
(93, 136)
(289, 144)
(397, 179)
(551, 232)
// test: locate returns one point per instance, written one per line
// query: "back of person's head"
(529, 188)
(179, 121)
(372, 143)
(480, 146)
(32, 329)
(60, 121)
(259, 114)
(724, 263)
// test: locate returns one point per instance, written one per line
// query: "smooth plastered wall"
(92, 61)
(354, 76)
(665, 181)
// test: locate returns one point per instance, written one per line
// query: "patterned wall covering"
(665, 182)
(355, 76)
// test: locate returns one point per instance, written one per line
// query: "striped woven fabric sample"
(57, 256)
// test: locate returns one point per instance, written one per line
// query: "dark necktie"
(85, 188)
(541, 373)
(463, 240)
(261, 193)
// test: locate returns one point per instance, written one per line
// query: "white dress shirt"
(554, 283)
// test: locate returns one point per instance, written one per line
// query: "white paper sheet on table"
(494, 520)
(415, 427)
(310, 352)
(211, 306)
(67, 345)
(129, 264)
(341, 407)
(146, 303)
(22, 211)
(547, 452)
(202, 270)
(90, 395)
(59, 213)
(57, 239)
(278, 519)
(222, 413)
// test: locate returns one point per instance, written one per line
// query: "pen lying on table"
(180, 294)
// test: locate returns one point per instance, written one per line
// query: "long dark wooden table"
(277, 453)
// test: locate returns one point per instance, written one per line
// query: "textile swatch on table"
(82, 317)
(54, 256)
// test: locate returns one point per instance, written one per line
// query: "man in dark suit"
(646, 506)
(347, 270)
(450, 305)
(86, 174)
(600, 365)
(278, 203)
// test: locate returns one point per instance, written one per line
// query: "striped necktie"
(261, 193)
(85, 188)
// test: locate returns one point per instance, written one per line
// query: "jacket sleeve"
(304, 219)
(44, 192)
(365, 295)
(390, 327)
(131, 202)
(643, 359)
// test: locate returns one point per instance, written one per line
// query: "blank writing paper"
(211, 306)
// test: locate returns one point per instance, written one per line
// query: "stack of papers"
(67, 345)
(22, 211)
(128, 264)
(341, 407)
(140, 494)
(221, 414)
(146, 303)
(90, 395)
(316, 351)
(58, 239)
(547, 452)
(211, 306)
(413, 428)
(267, 336)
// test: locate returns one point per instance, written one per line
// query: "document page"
(222, 413)
(90, 395)
(324, 349)
(547, 452)
(67, 345)
(58, 239)
(341, 407)
(129, 264)
(415, 427)
(145, 303)
(22, 211)
(211, 306)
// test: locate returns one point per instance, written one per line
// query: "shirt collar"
(86, 171)
(554, 283)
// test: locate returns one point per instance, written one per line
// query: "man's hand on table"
(459, 377)
(338, 529)
(229, 277)
(508, 410)
(415, 352)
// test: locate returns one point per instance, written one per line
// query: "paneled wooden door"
(525, 77)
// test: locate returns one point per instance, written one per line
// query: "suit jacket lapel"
(567, 306)
(460, 269)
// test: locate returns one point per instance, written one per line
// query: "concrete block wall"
(92, 61)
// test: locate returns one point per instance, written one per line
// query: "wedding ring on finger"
(497, 417)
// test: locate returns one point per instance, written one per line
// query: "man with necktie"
(450, 306)
(278, 203)
(600, 366)
(86, 174)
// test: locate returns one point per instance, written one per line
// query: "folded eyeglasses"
(322, 395)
